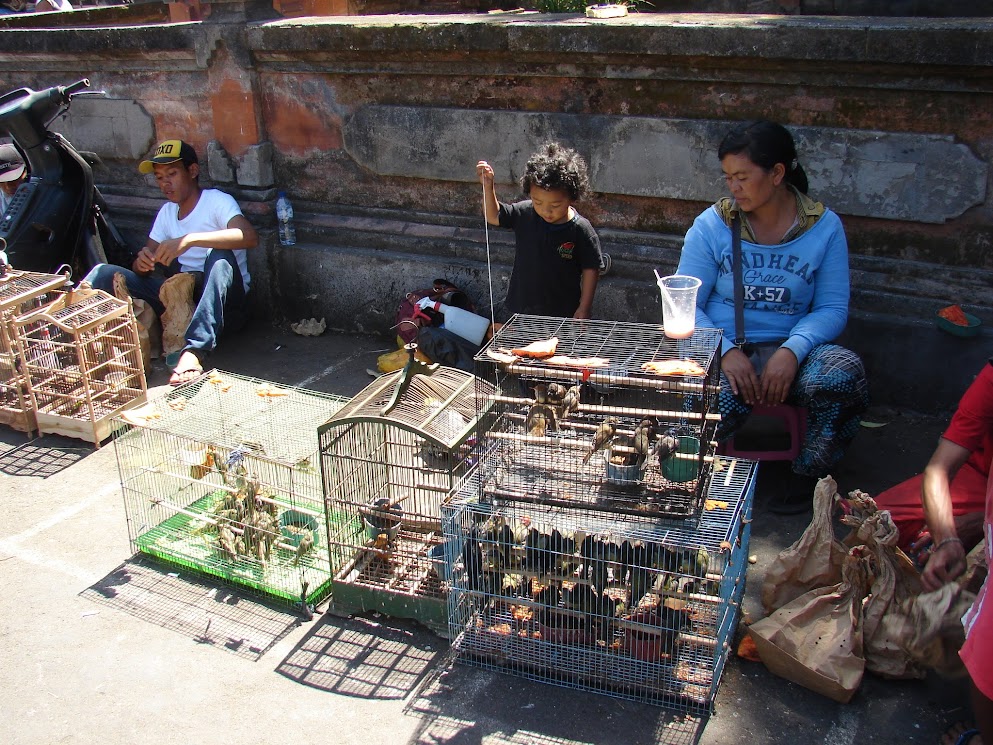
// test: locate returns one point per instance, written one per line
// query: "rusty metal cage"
(82, 361)
(221, 476)
(390, 459)
(634, 607)
(20, 292)
(621, 418)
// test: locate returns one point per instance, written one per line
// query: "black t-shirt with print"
(549, 261)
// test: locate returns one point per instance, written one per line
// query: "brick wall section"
(276, 98)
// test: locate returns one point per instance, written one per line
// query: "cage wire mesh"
(221, 476)
(621, 418)
(390, 459)
(20, 292)
(81, 357)
(630, 606)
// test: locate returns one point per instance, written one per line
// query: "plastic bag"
(816, 640)
(813, 561)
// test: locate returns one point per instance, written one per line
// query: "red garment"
(977, 652)
(972, 428)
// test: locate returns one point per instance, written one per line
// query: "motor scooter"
(57, 218)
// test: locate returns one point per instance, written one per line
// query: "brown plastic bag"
(813, 561)
(816, 640)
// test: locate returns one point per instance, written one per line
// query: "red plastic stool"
(794, 420)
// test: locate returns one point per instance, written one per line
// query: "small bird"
(644, 433)
(666, 447)
(541, 393)
(540, 419)
(555, 392)
(305, 546)
(225, 538)
(570, 402)
(603, 435)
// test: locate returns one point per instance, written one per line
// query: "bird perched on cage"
(580, 597)
(597, 553)
(500, 538)
(602, 436)
(556, 393)
(695, 563)
(537, 558)
(540, 419)
(226, 540)
(570, 401)
(644, 433)
(305, 546)
(472, 560)
(666, 447)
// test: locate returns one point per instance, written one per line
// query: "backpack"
(410, 318)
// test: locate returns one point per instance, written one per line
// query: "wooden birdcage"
(20, 292)
(220, 476)
(82, 361)
(390, 459)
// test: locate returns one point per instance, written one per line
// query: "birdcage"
(598, 414)
(221, 476)
(636, 607)
(20, 292)
(81, 358)
(390, 459)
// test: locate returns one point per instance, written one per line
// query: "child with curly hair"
(557, 261)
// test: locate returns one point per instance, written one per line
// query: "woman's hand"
(778, 376)
(741, 375)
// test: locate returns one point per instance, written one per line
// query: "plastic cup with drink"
(678, 294)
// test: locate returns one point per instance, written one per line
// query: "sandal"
(187, 369)
(960, 734)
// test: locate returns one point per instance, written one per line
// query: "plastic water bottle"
(284, 214)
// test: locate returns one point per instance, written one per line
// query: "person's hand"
(741, 375)
(581, 313)
(169, 250)
(778, 376)
(485, 172)
(946, 564)
(144, 262)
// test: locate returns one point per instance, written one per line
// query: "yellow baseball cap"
(169, 151)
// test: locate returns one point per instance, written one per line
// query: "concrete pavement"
(99, 646)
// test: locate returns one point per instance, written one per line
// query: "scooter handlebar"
(70, 90)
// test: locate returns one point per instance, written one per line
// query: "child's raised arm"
(491, 209)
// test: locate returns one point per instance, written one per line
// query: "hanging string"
(489, 268)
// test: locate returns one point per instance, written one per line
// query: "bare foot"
(187, 369)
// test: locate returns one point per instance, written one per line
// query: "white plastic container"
(463, 323)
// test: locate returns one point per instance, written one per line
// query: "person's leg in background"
(101, 277)
(221, 308)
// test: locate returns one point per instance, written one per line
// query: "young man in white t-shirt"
(204, 232)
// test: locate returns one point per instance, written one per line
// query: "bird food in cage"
(627, 424)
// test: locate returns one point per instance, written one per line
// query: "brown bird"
(305, 546)
(556, 392)
(644, 433)
(226, 540)
(570, 402)
(603, 435)
(540, 419)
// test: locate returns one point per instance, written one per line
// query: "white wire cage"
(390, 459)
(20, 292)
(632, 607)
(620, 418)
(221, 476)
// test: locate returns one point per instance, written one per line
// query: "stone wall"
(373, 125)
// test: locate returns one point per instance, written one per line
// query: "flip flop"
(965, 733)
(186, 373)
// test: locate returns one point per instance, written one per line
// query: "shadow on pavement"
(200, 608)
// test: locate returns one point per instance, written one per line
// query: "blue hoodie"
(796, 291)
